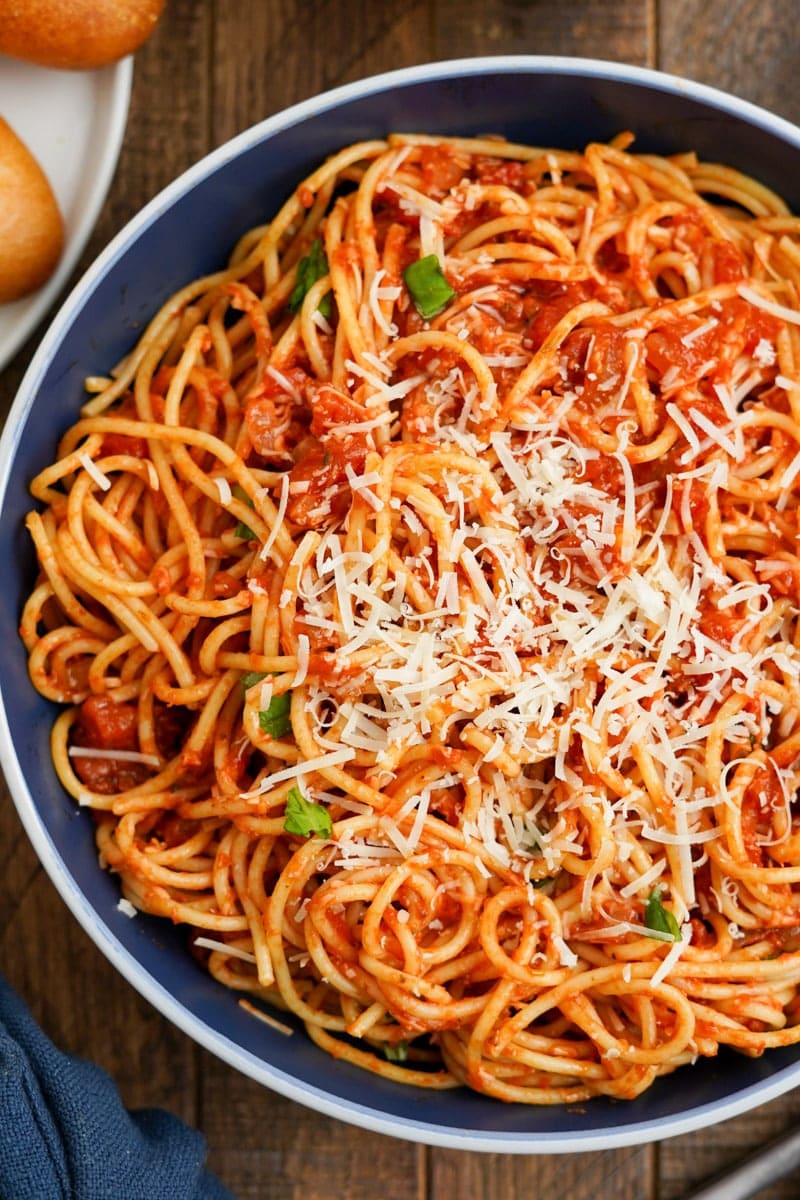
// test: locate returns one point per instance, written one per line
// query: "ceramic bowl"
(185, 232)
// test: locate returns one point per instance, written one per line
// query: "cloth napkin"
(65, 1135)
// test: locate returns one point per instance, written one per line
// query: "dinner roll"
(75, 34)
(31, 228)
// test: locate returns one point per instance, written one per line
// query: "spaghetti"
(423, 589)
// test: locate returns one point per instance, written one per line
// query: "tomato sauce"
(104, 724)
(275, 413)
(721, 626)
(501, 171)
(121, 443)
(442, 168)
(319, 490)
(547, 301)
(738, 328)
(763, 797)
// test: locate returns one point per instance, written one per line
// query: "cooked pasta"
(423, 591)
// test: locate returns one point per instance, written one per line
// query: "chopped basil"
(305, 817)
(429, 289)
(397, 1052)
(276, 720)
(660, 919)
(251, 679)
(243, 531)
(309, 270)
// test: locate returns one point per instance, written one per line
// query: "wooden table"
(213, 68)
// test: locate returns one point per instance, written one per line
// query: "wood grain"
(332, 44)
(213, 68)
(613, 29)
(281, 1150)
(748, 47)
(621, 1174)
(81, 1001)
(685, 1162)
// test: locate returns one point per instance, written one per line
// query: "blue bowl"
(185, 232)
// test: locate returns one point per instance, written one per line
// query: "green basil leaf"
(309, 270)
(305, 817)
(397, 1052)
(251, 678)
(276, 720)
(243, 531)
(660, 919)
(429, 289)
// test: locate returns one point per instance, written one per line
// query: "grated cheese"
(266, 549)
(102, 481)
(769, 306)
(131, 756)
(223, 488)
(207, 943)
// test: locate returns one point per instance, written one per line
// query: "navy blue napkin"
(65, 1135)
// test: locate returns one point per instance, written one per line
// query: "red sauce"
(761, 799)
(611, 259)
(605, 474)
(331, 408)
(105, 725)
(547, 301)
(697, 502)
(691, 235)
(728, 263)
(108, 725)
(739, 327)
(273, 417)
(319, 491)
(389, 211)
(501, 171)
(171, 725)
(667, 352)
(442, 168)
(225, 585)
(720, 625)
(120, 443)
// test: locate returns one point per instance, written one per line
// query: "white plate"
(73, 123)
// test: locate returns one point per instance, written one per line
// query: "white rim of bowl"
(118, 80)
(57, 870)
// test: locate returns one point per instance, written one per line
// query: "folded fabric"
(65, 1135)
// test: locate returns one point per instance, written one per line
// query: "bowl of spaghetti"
(402, 682)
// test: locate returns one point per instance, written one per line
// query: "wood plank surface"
(748, 47)
(612, 29)
(212, 68)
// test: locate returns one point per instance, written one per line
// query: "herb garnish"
(310, 268)
(243, 531)
(429, 289)
(660, 919)
(251, 678)
(276, 720)
(305, 817)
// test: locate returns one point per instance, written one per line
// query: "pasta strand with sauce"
(423, 594)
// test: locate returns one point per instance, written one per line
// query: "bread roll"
(31, 228)
(75, 34)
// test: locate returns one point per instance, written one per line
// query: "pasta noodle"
(423, 591)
